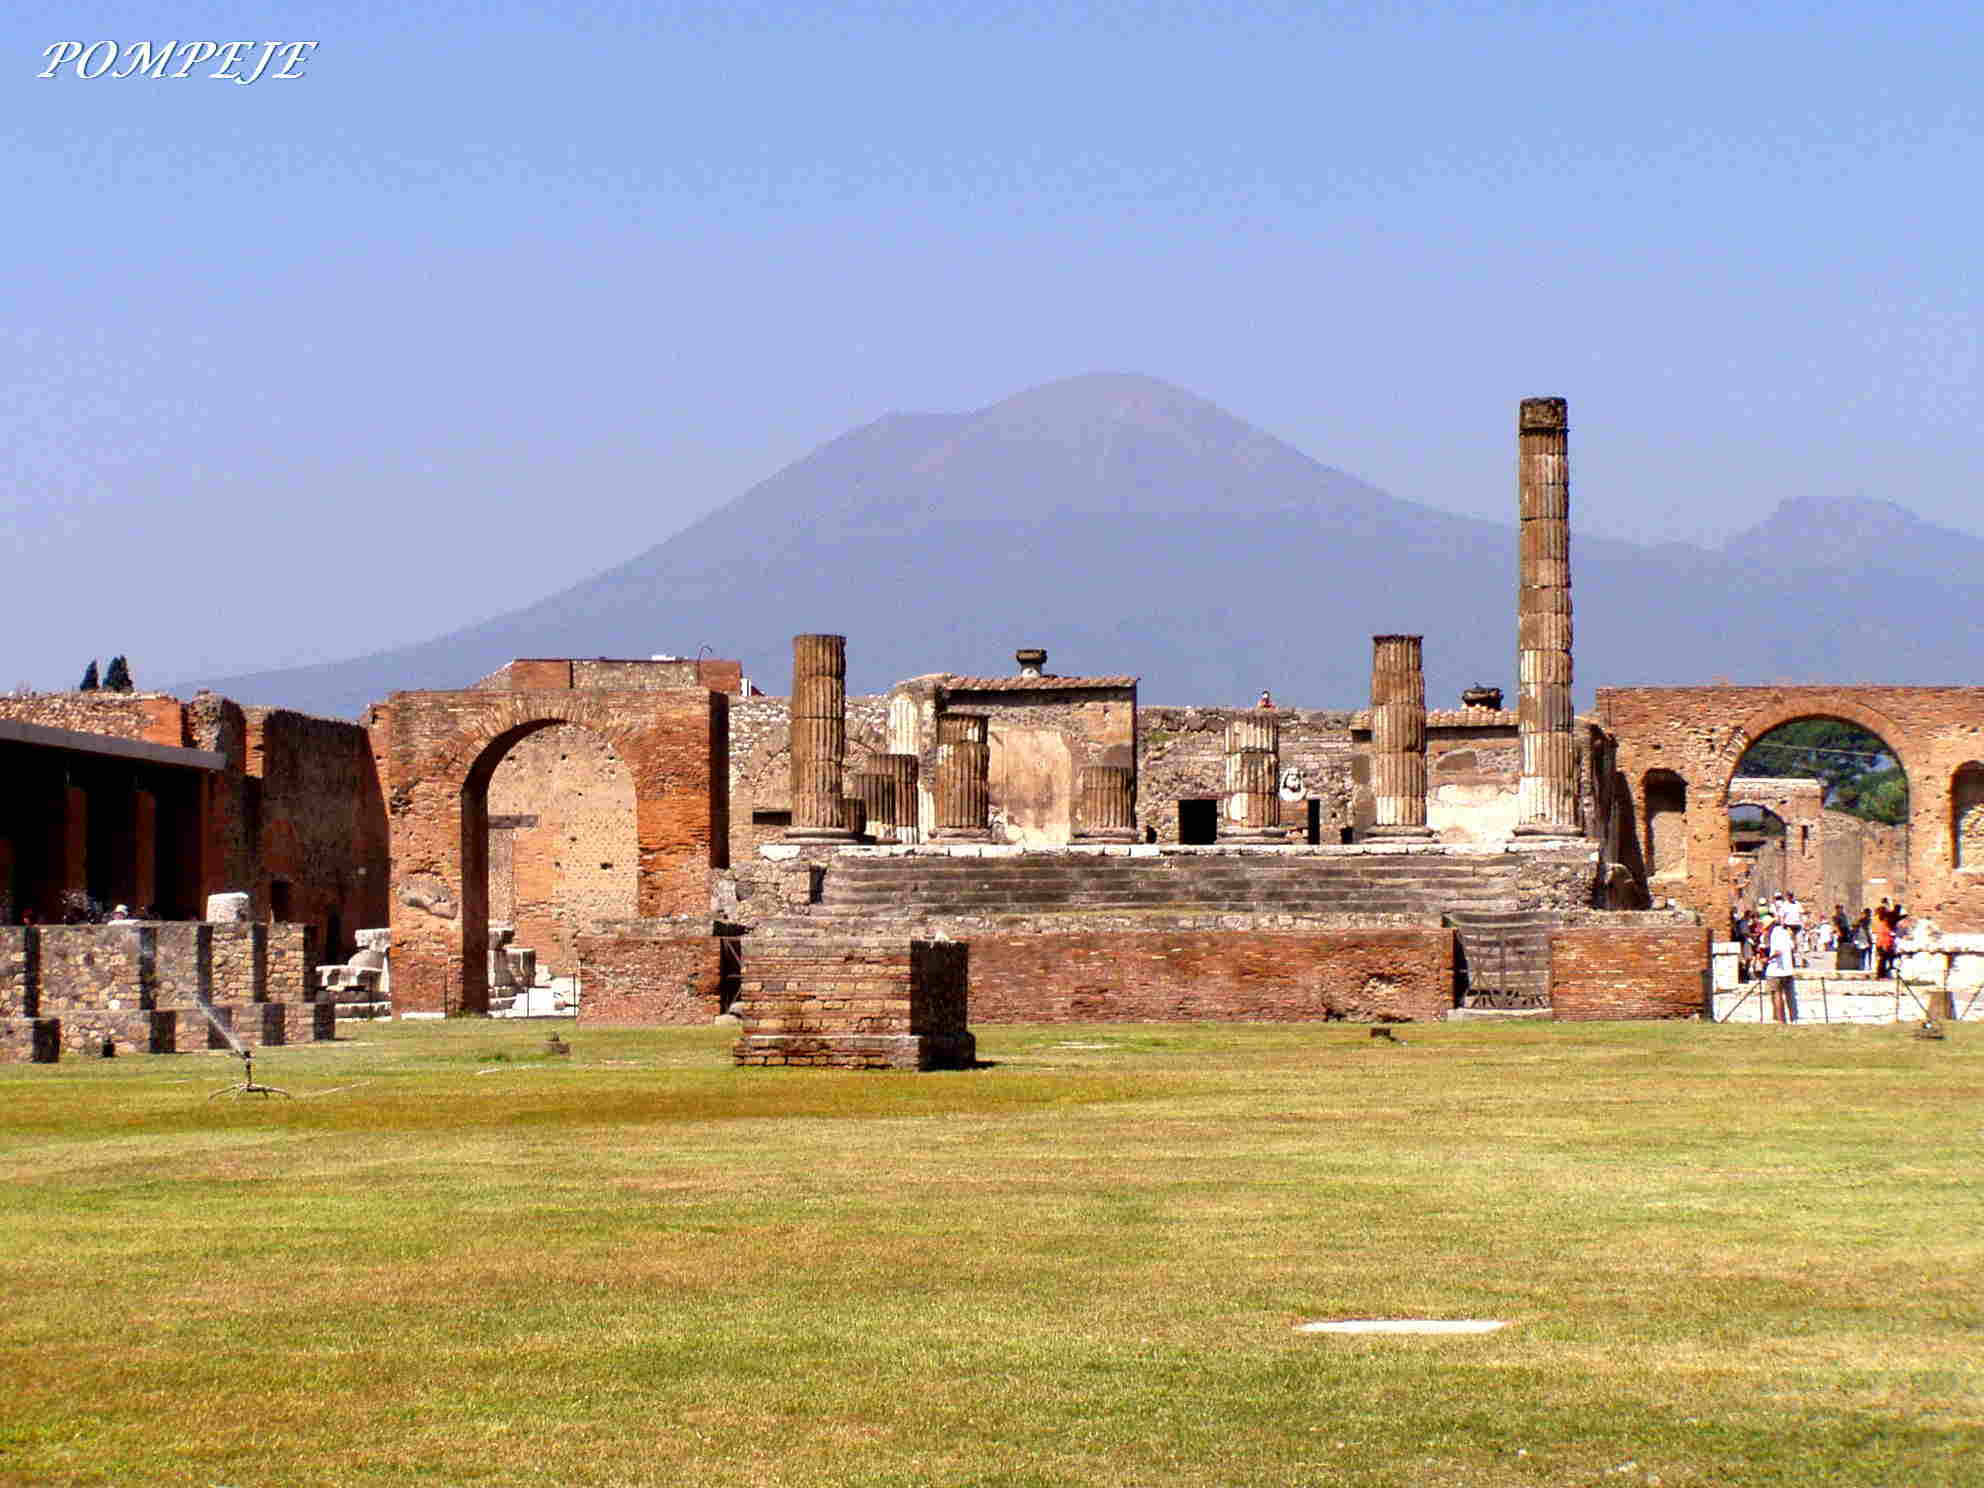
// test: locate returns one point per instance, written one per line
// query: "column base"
(961, 834)
(820, 834)
(1549, 829)
(1398, 833)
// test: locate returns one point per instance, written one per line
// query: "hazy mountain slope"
(1130, 527)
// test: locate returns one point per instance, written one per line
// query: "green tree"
(89, 682)
(1855, 767)
(118, 678)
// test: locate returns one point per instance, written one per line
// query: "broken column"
(1253, 769)
(1398, 738)
(1108, 803)
(1547, 805)
(964, 758)
(906, 818)
(819, 738)
(876, 792)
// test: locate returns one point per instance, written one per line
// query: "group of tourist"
(1777, 938)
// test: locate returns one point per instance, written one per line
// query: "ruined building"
(848, 872)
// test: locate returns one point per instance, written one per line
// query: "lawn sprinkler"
(247, 1085)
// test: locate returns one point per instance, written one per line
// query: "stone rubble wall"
(142, 985)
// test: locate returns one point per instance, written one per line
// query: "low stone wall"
(1294, 976)
(660, 975)
(126, 982)
(1602, 972)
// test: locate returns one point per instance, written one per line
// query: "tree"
(1855, 767)
(89, 682)
(118, 678)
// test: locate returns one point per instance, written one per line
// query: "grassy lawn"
(1727, 1255)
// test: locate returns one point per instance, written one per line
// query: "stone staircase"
(919, 887)
(1505, 959)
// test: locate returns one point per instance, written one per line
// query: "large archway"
(562, 851)
(441, 750)
(1831, 798)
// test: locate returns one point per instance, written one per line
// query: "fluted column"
(964, 759)
(1253, 770)
(1398, 738)
(1547, 803)
(876, 791)
(819, 738)
(906, 804)
(1108, 803)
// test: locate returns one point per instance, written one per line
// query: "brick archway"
(1700, 733)
(438, 751)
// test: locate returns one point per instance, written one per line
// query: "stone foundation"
(854, 1003)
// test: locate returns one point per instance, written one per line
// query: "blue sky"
(495, 296)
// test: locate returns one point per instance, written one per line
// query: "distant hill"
(1129, 526)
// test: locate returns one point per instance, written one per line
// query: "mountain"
(1128, 526)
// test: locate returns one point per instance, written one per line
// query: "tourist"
(1884, 922)
(1266, 700)
(1781, 969)
(121, 915)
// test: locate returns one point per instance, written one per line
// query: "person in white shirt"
(1781, 968)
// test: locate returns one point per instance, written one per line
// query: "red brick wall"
(1597, 972)
(1171, 976)
(641, 979)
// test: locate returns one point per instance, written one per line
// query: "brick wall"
(1605, 972)
(1401, 975)
(321, 820)
(661, 975)
(149, 717)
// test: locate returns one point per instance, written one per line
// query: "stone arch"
(442, 748)
(1967, 816)
(1842, 706)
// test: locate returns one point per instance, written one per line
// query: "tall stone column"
(819, 738)
(1108, 803)
(964, 775)
(906, 818)
(1398, 738)
(1253, 769)
(1547, 804)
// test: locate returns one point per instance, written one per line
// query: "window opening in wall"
(1198, 823)
(1315, 822)
(1967, 816)
(771, 818)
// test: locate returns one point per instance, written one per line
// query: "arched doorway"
(441, 751)
(1818, 808)
(562, 849)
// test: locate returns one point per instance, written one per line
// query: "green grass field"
(1726, 1256)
